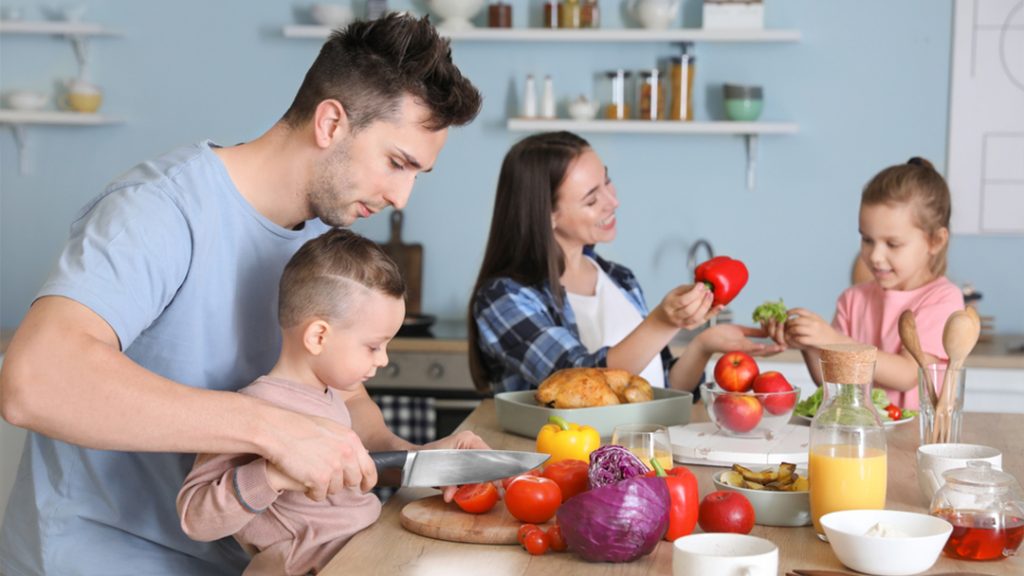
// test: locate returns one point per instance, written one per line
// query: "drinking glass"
(646, 441)
(938, 376)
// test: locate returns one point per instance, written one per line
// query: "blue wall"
(868, 85)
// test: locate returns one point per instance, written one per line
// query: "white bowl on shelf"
(332, 15)
(27, 100)
(583, 109)
(456, 14)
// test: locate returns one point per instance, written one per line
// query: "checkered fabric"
(410, 417)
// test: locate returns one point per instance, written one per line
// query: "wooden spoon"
(911, 343)
(959, 337)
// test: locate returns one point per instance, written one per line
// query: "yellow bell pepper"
(564, 440)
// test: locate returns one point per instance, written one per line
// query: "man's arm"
(64, 376)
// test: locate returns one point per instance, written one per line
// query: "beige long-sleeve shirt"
(286, 532)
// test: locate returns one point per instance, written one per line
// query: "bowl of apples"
(747, 403)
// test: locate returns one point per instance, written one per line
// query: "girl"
(904, 228)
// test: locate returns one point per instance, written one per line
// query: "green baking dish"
(519, 413)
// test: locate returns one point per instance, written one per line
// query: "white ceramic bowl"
(724, 553)
(886, 556)
(582, 109)
(333, 15)
(934, 459)
(748, 414)
(774, 508)
(456, 14)
(26, 100)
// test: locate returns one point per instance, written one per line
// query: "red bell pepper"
(724, 276)
(684, 500)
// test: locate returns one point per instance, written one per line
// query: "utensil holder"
(937, 373)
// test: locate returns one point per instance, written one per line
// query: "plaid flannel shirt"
(524, 338)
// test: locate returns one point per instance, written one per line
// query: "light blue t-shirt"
(186, 273)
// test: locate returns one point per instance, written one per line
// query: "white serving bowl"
(455, 14)
(333, 15)
(886, 556)
(26, 100)
(774, 508)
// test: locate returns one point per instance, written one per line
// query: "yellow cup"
(87, 102)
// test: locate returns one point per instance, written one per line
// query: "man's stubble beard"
(331, 189)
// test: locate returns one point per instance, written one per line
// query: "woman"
(544, 300)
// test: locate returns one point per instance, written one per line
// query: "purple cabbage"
(611, 464)
(616, 523)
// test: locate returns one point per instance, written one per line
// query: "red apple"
(772, 381)
(738, 412)
(726, 511)
(735, 372)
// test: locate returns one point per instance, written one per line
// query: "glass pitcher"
(986, 509)
(848, 459)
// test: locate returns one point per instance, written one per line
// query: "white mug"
(934, 459)
(724, 554)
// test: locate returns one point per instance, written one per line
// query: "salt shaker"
(547, 106)
(530, 98)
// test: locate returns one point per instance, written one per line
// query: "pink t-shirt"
(286, 532)
(870, 314)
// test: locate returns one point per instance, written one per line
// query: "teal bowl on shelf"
(743, 109)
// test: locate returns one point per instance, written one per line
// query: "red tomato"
(523, 531)
(570, 475)
(894, 411)
(556, 539)
(476, 498)
(536, 542)
(507, 481)
(533, 499)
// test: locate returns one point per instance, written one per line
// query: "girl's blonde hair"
(916, 183)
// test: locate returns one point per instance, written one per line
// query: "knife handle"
(389, 459)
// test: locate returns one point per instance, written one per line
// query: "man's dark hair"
(371, 64)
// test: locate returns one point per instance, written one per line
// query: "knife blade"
(434, 468)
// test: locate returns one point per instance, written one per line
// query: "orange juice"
(664, 458)
(845, 477)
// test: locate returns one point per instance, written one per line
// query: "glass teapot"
(985, 507)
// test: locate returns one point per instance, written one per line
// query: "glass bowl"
(748, 414)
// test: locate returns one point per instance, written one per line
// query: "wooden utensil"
(409, 259)
(912, 344)
(433, 518)
(959, 337)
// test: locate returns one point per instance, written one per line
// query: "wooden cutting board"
(409, 258)
(433, 518)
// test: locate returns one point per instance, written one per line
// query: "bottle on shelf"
(848, 457)
(590, 14)
(530, 98)
(569, 14)
(551, 14)
(547, 102)
(651, 95)
(682, 68)
(499, 14)
(618, 107)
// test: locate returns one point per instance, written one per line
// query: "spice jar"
(681, 70)
(499, 15)
(986, 509)
(569, 14)
(590, 14)
(650, 95)
(551, 14)
(848, 463)
(617, 106)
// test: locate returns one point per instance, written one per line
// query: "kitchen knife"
(434, 468)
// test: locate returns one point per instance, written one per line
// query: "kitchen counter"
(387, 548)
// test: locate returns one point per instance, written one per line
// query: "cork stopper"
(848, 363)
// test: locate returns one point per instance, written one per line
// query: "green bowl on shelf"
(743, 103)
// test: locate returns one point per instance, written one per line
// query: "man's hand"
(464, 440)
(323, 456)
(724, 338)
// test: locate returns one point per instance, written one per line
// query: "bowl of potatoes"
(779, 495)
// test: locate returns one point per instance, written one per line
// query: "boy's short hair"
(371, 64)
(321, 278)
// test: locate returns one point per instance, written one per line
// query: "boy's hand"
(805, 329)
(464, 440)
(280, 481)
(688, 306)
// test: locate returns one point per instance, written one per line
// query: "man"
(163, 303)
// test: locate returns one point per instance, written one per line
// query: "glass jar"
(590, 14)
(847, 453)
(650, 95)
(569, 14)
(499, 15)
(681, 70)
(617, 105)
(986, 509)
(551, 14)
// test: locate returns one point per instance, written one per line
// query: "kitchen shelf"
(585, 35)
(17, 119)
(53, 28)
(749, 130)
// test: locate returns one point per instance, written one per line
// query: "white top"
(607, 317)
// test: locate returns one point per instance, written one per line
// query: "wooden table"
(386, 548)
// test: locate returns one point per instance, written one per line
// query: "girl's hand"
(805, 329)
(729, 337)
(689, 306)
(776, 331)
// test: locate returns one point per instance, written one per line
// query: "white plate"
(886, 423)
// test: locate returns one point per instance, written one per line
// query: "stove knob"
(435, 371)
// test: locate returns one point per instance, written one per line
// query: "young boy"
(341, 302)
